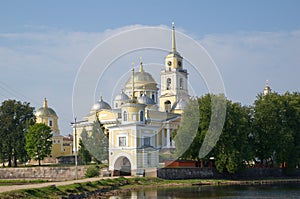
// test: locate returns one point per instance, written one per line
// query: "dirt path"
(40, 185)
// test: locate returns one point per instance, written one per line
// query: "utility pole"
(75, 148)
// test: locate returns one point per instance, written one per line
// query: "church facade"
(140, 122)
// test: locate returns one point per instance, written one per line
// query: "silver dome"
(144, 99)
(100, 105)
(121, 97)
(180, 105)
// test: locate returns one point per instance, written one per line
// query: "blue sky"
(43, 43)
(201, 17)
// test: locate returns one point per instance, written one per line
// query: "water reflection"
(221, 192)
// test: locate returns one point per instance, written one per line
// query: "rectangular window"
(50, 123)
(122, 141)
(147, 141)
(134, 117)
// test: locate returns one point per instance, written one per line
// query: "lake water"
(286, 191)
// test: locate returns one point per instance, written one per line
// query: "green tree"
(15, 119)
(38, 142)
(83, 153)
(96, 141)
(199, 129)
(276, 129)
(201, 134)
(293, 118)
(186, 137)
(233, 148)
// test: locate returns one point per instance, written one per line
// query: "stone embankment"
(44, 172)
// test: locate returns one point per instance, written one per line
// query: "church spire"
(45, 103)
(267, 89)
(132, 80)
(173, 39)
(141, 65)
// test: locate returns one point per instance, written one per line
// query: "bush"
(92, 171)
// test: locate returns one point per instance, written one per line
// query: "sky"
(45, 44)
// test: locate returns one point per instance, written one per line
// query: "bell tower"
(173, 78)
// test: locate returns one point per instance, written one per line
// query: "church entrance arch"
(122, 166)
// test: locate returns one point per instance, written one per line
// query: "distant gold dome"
(45, 110)
(142, 80)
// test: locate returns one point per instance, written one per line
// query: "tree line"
(265, 134)
(21, 139)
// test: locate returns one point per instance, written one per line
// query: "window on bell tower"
(169, 84)
(181, 83)
(141, 116)
(125, 116)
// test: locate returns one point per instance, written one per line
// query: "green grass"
(58, 192)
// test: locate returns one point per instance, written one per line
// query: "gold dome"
(267, 89)
(45, 110)
(142, 80)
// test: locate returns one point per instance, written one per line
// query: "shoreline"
(103, 188)
(210, 182)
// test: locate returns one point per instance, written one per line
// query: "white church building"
(140, 121)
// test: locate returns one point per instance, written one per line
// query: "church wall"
(172, 99)
(67, 150)
(57, 149)
(46, 120)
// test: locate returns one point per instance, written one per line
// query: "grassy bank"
(114, 186)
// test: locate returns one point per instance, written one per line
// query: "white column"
(168, 135)
(163, 138)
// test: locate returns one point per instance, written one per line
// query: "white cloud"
(44, 64)
(247, 59)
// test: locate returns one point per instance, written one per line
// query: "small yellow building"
(61, 145)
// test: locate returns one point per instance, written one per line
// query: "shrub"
(92, 171)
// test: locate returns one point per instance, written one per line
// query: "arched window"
(50, 122)
(168, 83)
(181, 83)
(167, 106)
(141, 116)
(124, 116)
(153, 97)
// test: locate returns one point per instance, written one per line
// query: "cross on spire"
(173, 38)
